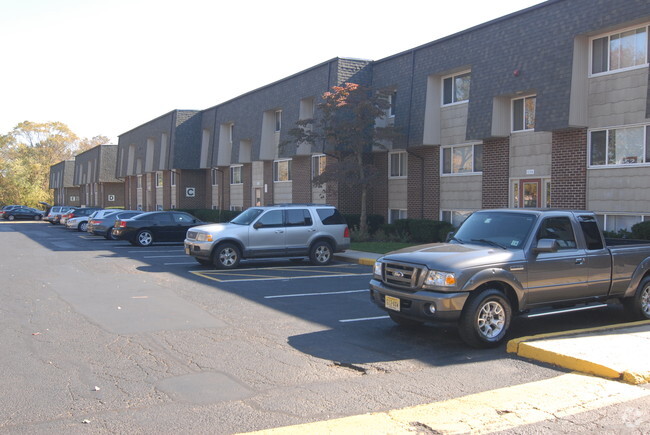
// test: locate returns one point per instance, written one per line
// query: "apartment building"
(545, 107)
(159, 163)
(94, 174)
(61, 181)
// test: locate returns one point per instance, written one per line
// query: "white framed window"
(318, 163)
(282, 170)
(462, 159)
(455, 88)
(235, 208)
(159, 207)
(397, 164)
(619, 146)
(523, 113)
(159, 179)
(172, 178)
(392, 101)
(620, 50)
(617, 222)
(139, 181)
(395, 214)
(455, 217)
(278, 120)
(214, 175)
(235, 175)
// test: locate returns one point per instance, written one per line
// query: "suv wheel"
(226, 256)
(485, 319)
(144, 238)
(320, 253)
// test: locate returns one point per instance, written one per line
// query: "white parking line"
(164, 256)
(362, 319)
(287, 278)
(174, 264)
(155, 250)
(297, 295)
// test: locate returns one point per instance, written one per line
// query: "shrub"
(374, 221)
(641, 230)
(428, 231)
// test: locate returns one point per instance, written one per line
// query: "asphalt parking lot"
(174, 346)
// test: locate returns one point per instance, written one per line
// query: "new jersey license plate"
(392, 303)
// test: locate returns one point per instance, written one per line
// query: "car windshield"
(247, 217)
(500, 229)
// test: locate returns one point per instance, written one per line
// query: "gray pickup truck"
(502, 263)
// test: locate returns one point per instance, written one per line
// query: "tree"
(27, 153)
(345, 127)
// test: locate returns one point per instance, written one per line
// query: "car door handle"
(580, 261)
(279, 231)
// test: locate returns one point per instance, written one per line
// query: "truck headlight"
(441, 279)
(203, 237)
(377, 270)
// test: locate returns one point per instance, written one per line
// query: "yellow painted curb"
(366, 261)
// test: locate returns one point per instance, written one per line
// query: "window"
(523, 113)
(591, 232)
(215, 177)
(455, 217)
(330, 216)
(181, 218)
(159, 179)
(455, 89)
(278, 120)
(619, 222)
(272, 219)
(139, 181)
(235, 175)
(282, 170)
(619, 51)
(392, 101)
(397, 164)
(619, 146)
(159, 207)
(172, 178)
(558, 229)
(298, 217)
(318, 164)
(395, 215)
(235, 208)
(462, 159)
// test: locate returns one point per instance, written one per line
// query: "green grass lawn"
(378, 247)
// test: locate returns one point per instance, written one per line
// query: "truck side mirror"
(545, 245)
(450, 234)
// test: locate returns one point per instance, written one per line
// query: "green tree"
(26, 154)
(345, 127)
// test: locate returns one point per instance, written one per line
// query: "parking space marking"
(298, 295)
(164, 256)
(174, 264)
(277, 273)
(363, 319)
(276, 278)
(155, 250)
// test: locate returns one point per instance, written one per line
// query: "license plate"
(392, 303)
(187, 250)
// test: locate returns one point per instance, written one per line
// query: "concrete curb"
(531, 347)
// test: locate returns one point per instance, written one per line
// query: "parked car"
(54, 215)
(78, 223)
(77, 212)
(505, 263)
(156, 226)
(101, 224)
(22, 212)
(6, 208)
(316, 231)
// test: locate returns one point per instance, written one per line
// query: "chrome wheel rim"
(322, 254)
(645, 301)
(83, 227)
(491, 319)
(145, 238)
(228, 257)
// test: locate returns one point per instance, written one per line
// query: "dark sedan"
(158, 226)
(22, 213)
(102, 226)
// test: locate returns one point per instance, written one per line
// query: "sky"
(106, 67)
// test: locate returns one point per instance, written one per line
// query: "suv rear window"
(330, 216)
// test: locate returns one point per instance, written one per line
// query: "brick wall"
(247, 178)
(379, 191)
(301, 176)
(195, 179)
(267, 197)
(496, 172)
(423, 183)
(568, 169)
(225, 188)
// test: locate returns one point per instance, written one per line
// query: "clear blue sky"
(105, 67)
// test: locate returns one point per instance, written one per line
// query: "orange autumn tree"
(344, 127)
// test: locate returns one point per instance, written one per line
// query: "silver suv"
(289, 230)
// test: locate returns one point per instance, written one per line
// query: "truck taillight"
(346, 233)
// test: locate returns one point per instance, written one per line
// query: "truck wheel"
(485, 319)
(404, 321)
(638, 306)
(320, 253)
(226, 256)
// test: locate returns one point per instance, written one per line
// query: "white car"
(79, 223)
